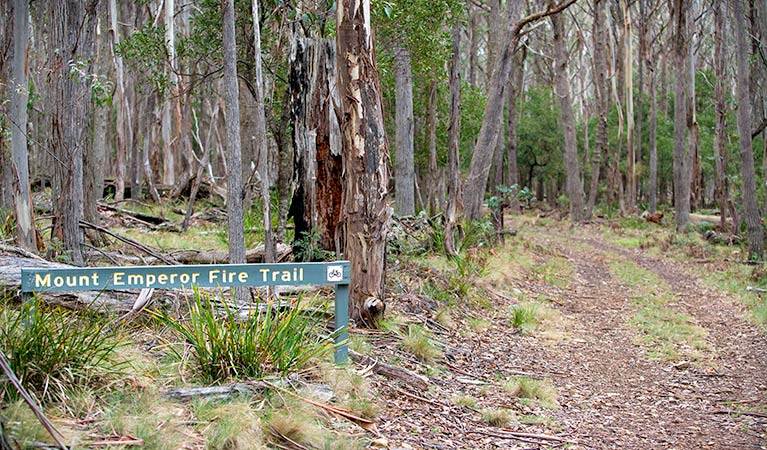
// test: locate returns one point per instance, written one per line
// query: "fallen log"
(108, 301)
(255, 255)
(409, 377)
(697, 219)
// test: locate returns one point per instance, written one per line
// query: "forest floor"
(631, 349)
(613, 335)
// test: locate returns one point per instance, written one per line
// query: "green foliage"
(226, 346)
(145, 50)
(524, 316)
(530, 388)
(539, 134)
(418, 341)
(307, 247)
(54, 351)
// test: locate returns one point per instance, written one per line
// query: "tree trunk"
(432, 128)
(454, 138)
(236, 232)
(261, 148)
(404, 179)
(94, 160)
(573, 183)
(169, 153)
(696, 174)
(317, 200)
(123, 128)
(720, 137)
(366, 160)
(72, 32)
(602, 101)
(473, 42)
(681, 158)
(19, 93)
(285, 169)
(628, 77)
(652, 186)
(479, 170)
(753, 226)
(641, 58)
(515, 89)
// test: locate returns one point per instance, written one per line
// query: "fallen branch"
(10, 283)
(129, 241)
(146, 218)
(365, 424)
(185, 394)
(408, 376)
(253, 255)
(49, 427)
(755, 289)
(742, 413)
(19, 251)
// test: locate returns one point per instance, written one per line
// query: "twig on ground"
(49, 427)
(129, 241)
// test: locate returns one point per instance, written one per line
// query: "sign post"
(335, 273)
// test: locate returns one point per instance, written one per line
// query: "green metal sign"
(212, 276)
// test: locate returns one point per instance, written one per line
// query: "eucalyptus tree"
(479, 170)
(365, 151)
(573, 173)
(19, 95)
(71, 34)
(235, 194)
(681, 157)
(415, 34)
(754, 231)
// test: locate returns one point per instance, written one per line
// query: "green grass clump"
(524, 316)
(466, 401)
(54, 351)
(542, 391)
(360, 345)
(497, 417)
(225, 346)
(418, 341)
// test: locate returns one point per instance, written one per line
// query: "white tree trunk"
(404, 181)
(19, 93)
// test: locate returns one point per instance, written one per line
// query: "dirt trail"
(611, 394)
(618, 398)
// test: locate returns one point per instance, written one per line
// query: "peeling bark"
(366, 160)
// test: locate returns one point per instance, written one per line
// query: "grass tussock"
(224, 346)
(419, 342)
(497, 417)
(541, 391)
(466, 401)
(524, 316)
(232, 426)
(147, 416)
(55, 351)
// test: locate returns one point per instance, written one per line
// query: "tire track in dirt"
(617, 397)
